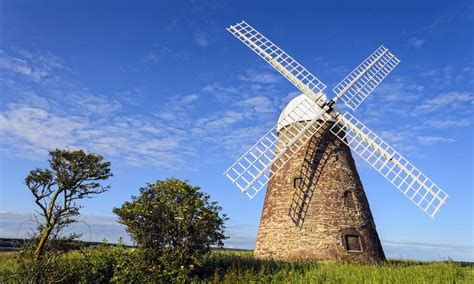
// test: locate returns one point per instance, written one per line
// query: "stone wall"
(315, 207)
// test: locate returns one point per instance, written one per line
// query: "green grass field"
(241, 267)
(233, 267)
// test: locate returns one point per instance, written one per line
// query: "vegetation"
(74, 175)
(108, 264)
(174, 225)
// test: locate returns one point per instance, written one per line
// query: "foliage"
(50, 267)
(241, 267)
(74, 175)
(174, 226)
(117, 264)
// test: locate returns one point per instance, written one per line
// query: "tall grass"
(242, 267)
(232, 267)
(8, 265)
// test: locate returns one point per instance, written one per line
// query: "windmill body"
(315, 205)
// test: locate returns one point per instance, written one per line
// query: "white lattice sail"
(251, 172)
(280, 60)
(360, 83)
(423, 192)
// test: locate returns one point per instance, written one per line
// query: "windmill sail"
(360, 83)
(251, 172)
(423, 192)
(280, 60)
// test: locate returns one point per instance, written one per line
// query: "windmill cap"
(301, 116)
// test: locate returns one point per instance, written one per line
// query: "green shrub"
(54, 266)
(114, 264)
(174, 225)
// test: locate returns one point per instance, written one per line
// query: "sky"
(161, 89)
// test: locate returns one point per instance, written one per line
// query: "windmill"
(315, 205)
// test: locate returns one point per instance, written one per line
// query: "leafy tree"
(174, 226)
(73, 175)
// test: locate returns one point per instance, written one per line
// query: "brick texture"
(316, 207)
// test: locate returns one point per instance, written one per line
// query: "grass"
(242, 267)
(8, 264)
(232, 267)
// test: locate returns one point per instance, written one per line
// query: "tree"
(74, 175)
(174, 225)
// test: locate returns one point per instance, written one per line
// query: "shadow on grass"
(220, 263)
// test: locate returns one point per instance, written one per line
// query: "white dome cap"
(304, 116)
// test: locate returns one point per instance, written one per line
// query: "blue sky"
(162, 89)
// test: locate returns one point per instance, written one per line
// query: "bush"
(174, 226)
(53, 266)
(106, 263)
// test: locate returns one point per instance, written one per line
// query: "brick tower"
(316, 207)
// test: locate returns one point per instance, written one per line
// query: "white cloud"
(223, 93)
(92, 227)
(220, 121)
(259, 104)
(21, 67)
(158, 54)
(262, 77)
(393, 97)
(201, 39)
(96, 228)
(446, 101)
(447, 123)
(416, 42)
(189, 99)
(449, 75)
(431, 140)
(250, 110)
(399, 90)
(153, 56)
(410, 139)
(176, 109)
(427, 251)
(39, 118)
(33, 131)
(35, 67)
(61, 114)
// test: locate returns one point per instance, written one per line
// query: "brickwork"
(315, 207)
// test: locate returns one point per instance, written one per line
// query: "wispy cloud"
(260, 76)
(399, 90)
(396, 96)
(416, 42)
(259, 104)
(153, 56)
(222, 93)
(449, 75)
(241, 236)
(440, 123)
(91, 227)
(33, 131)
(96, 228)
(34, 67)
(446, 101)
(158, 53)
(431, 140)
(427, 251)
(64, 114)
(201, 39)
